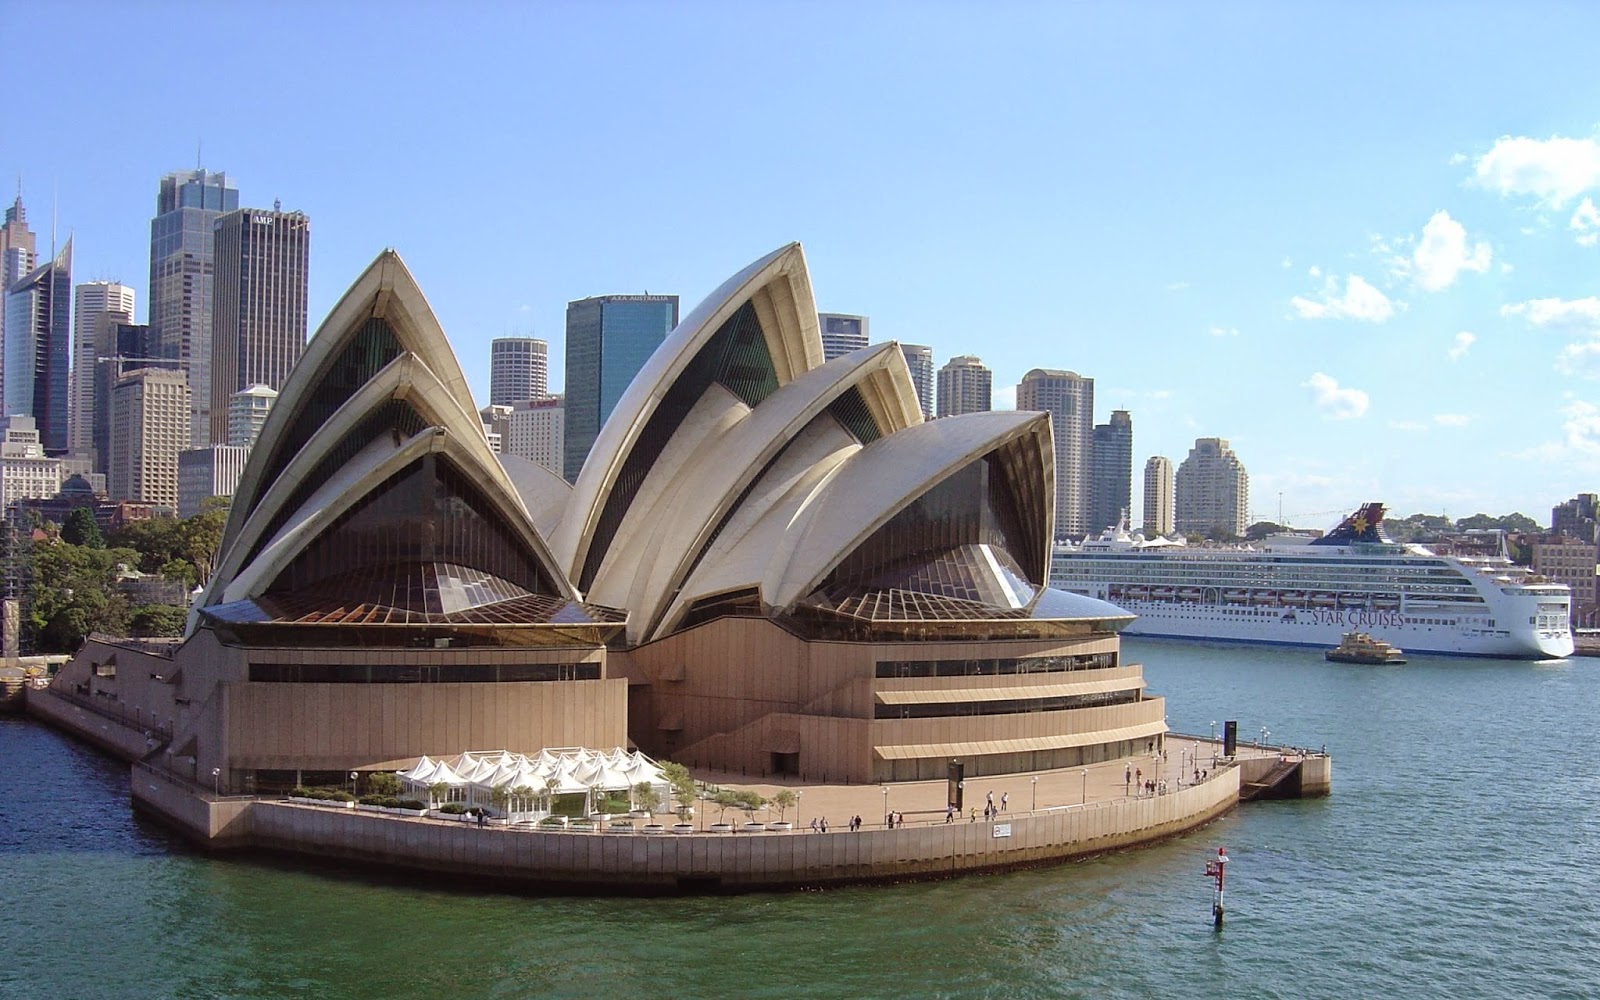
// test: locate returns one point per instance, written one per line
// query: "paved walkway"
(923, 802)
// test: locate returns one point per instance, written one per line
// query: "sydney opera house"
(768, 565)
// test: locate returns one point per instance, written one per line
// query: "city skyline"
(1396, 272)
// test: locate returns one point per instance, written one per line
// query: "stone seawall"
(109, 734)
(637, 863)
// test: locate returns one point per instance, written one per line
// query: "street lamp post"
(1035, 794)
(1213, 730)
(1265, 732)
(1085, 799)
(885, 807)
(798, 792)
(216, 781)
(352, 783)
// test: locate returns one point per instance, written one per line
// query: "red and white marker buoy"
(1217, 870)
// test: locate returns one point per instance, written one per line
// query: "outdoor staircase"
(1283, 781)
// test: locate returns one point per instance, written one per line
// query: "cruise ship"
(1299, 590)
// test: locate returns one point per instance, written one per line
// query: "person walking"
(1127, 778)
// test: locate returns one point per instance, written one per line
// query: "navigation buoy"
(1217, 870)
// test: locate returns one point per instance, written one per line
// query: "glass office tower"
(38, 348)
(609, 338)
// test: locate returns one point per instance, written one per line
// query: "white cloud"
(1288, 262)
(1558, 313)
(1360, 301)
(1336, 403)
(1458, 159)
(1223, 331)
(1581, 359)
(1177, 286)
(1451, 419)
(1586, 223)
(1314, 271)
(1554, 170)
(1463, 344)
(1408, 425)
(1582, 426)
(1442, 253)
(1005, 397)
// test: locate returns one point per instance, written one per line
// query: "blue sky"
(1359, 242)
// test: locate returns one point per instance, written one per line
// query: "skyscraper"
(258, 319)
(535, 432)
(93, 303)
(919, 358)
(119, 348)
(841, 334)
(17, 250)
(1157, 496)
(149, 426)
(965, 386)
(1069, 399)
(1213, 492)
(1111, 472)
(609, 338)
(519, 369)
(181, 276)
(38, 348)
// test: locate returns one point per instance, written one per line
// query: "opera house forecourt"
(770, 569)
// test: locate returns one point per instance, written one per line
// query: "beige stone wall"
(632, 862)
(337, 726)
(729, 694)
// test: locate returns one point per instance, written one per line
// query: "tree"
(1262, 529)
(784, 798)
(725, 799)
(80, 529)
(750, 803)
(437, 792)
(383, 783)
(646, 797)
(72, 593)
(681, 781)
(202, 535)
(1520, 524)
(157, 620)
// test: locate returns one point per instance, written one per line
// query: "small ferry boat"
(1359, 647)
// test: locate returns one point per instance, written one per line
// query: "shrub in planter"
(325, 794)
(387, 801)
(453, 809)
(410, 804)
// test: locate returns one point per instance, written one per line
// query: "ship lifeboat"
(1294, 597)
(1236, 596)
(1161, 593)
(1386, 603)
(1267, 598)
(1352, 600)
(1323, 600)
(1137, 593)
(1189, 594)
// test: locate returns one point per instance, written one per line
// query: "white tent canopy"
(526, 783)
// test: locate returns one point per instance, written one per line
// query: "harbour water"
(1459, 856)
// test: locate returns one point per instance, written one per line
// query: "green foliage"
(742, 799)
(646, 797)
(179, 569)
(387, 801)
(156, 620)
(383, 783)
(682, 783)
(784, 799)
(614, 802)
(325, 794)
(438, 790)
(1261, 529)
(453, 809)
(80, 529)
(162, 543)
(72, 593)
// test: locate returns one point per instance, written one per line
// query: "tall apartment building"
(965, 386)
(119, 348)
(182, 273)
(1111, 472)
(519, 368)
(1577, 517)
(93, 303)
(841, 334)
(1213, 490)
(208, 472)
(1069, 399)
(1158, 490)
(609, 339)
(534, 431)
(18, 252)
(150, 424)
(26, 472)
(258, 312)
(38, 349)
(247, 414)
(919, 358)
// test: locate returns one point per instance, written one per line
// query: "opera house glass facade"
(769, 563)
